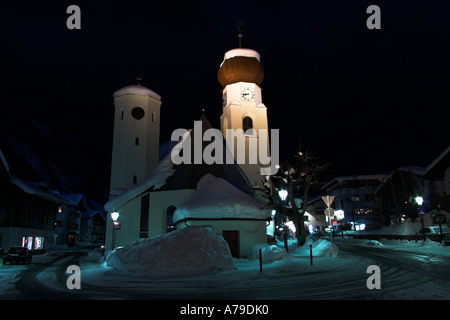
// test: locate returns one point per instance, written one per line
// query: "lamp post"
(283, 196)
(114, 217)
(419, 201)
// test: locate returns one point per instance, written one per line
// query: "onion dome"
(241, 65)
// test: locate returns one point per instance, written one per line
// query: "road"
(404, 275)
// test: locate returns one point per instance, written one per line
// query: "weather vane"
(239, 27)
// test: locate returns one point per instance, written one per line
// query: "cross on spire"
(239, 27)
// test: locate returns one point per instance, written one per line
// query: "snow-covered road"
(407, 272)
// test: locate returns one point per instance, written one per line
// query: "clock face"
(247, 94)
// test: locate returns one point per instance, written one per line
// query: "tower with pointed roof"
(135, 150)
(240, 75)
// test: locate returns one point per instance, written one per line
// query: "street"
(405, 274)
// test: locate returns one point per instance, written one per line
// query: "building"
(355, 202)
(437, 178)
(155, 198)
(243, 110)
(398, 191)
(78, 222)
(27, 211)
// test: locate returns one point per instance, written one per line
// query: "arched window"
(247, 123)
(170, 226)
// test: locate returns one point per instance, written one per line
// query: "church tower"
(135, 150)
(240, 75)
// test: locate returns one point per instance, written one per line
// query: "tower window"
(170, 226)
(121, 115)
(153, 116)
(247, 123)
(138, 113)
(135, 179)
(136, 141)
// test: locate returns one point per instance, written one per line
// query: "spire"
(239, 27)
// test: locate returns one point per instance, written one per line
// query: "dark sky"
(368, 101)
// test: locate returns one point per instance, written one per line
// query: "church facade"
(154, 197)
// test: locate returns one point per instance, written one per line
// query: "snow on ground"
(176, 268)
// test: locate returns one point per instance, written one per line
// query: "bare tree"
(300, 175)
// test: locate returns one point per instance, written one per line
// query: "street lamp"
(419, 201)
(283, 196)
(114, 217)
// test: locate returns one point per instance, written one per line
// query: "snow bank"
(269, 253)
(320, 248)
(186, 252)
(406, 228)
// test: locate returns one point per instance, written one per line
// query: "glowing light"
(283, 194)
(291, 226)
(339, 214)
(419, 200)
(115, 216)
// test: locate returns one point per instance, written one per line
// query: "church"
(151, 196)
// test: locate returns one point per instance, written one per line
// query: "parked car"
(17, 254)
(434, 232)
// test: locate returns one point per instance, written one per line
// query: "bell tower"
(240, 75)
(135, 149)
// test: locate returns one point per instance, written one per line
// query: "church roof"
(240, 65)
(186, 176)
(170, 176)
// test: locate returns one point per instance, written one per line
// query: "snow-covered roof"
(216, 198)
(136, 90)
(242, 52)
(352, 178)
(156, 180)
(39, 189)
(420, 171)
(167, 176)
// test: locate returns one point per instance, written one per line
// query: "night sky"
(368, 101)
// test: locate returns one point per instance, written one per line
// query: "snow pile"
(186, 252)
(92, 256)
(269, 253)
(374, 243)
(216, 198)
(406, 228)
(320, 248)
